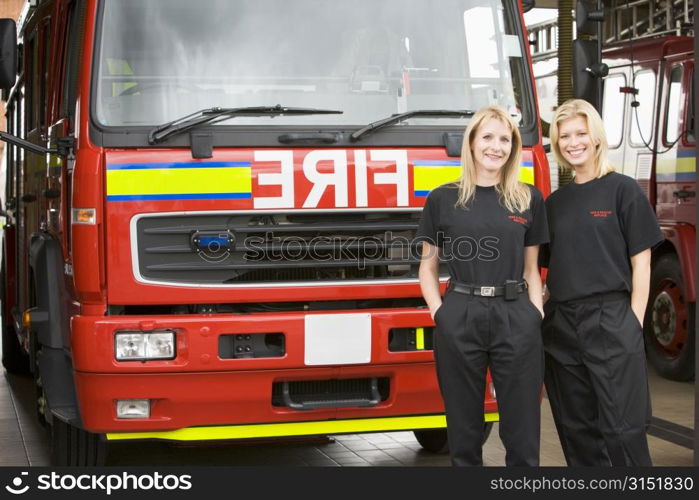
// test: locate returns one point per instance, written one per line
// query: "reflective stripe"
(427, 177)
(420, 339)
(430, 175)
(295, 428)
(676, 169)
(526, 174)
(179, 181)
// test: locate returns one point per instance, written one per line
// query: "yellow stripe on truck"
(427, 178)
(179, 181)
(526, 174)
(290, 429)
(676, 165)
(430, 174)
(420, 339)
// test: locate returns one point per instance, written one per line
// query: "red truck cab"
(211, 226)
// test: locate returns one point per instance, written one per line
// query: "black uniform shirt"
(483, 244)
(595, 228)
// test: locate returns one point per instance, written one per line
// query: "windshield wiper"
(213, 115)
(437, 113)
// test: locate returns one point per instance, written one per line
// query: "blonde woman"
(488, 228)
(602, 231)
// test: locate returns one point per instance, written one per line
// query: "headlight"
(139, 346)
(133, 408)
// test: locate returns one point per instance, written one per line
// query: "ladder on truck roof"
(624, 19)
(646, 18)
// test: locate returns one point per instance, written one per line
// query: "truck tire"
(435, 440)
(669, 322)
(72, 446)
(14, 359)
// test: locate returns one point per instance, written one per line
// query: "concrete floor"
(23, 442)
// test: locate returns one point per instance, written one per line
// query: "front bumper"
(200, 396)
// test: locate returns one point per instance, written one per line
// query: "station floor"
(23, 442)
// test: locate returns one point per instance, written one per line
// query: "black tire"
(668, 330)
(435, 440)
(14, 359)
(71, 446)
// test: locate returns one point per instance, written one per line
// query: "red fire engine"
(211, 208)
(648, 111)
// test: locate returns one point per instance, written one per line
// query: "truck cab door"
(642, 120)
(676, 164)
(31, 171)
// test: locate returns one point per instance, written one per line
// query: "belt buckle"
(487, 291)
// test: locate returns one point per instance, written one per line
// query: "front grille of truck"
(230, 249)
(338, 393)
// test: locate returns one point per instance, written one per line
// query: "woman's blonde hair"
(595, 127)
(514, 195)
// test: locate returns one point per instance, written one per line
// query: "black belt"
(510, 289)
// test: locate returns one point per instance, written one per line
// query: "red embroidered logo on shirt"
(518, 219)
(601, 213)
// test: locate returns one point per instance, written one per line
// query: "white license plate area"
(337, 339)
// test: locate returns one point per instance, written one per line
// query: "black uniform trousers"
(596, 380)
(472, 334)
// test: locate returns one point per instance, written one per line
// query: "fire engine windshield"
(159, 60)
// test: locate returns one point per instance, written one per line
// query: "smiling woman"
(575, 143)
(492, 145)
(488, 227)
(602, 232)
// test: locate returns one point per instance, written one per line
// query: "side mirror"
(588, 72)
(8, 53)
(588, 68)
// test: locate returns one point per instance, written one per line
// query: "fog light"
(141, 346)
(133, 408)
